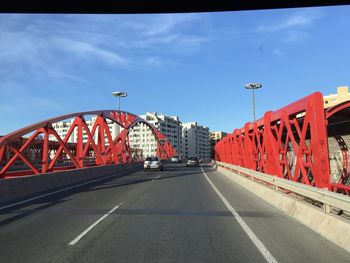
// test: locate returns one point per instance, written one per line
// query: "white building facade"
(195, 141)
(62, 128)
(141, 136)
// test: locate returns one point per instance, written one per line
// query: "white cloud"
(35, 41)
(298, 20)
(174, 43)
(295, 36)
(86, 51)
(278, 52)
(154, 61)
(163, 24)
(294, 28)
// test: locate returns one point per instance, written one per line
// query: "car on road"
(175, 159)
(154, 162)
(192, 161)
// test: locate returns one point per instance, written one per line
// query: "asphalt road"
(174, 215)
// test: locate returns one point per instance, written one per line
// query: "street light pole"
(253, 87)
(119, 94)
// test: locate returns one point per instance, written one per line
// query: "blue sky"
(191, 65)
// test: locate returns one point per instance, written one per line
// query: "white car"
(153, 163)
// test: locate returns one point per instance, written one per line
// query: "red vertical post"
(248, 154)
(236, 148)
(101, 138)
(45, 151)
(80, 147)
(2, 153)
(254, 146)
(272, 161)
(319, 142)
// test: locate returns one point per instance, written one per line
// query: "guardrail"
(327, 198)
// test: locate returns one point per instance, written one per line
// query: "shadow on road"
(131, 181)
(205, 213)
(125, 179)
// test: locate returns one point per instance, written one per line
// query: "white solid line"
(55, 192)
(75, 240)
(260, 246)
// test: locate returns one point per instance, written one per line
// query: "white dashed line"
(75, 240)
(156, 178)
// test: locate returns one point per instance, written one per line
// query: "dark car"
(175, 159)
(192, 161)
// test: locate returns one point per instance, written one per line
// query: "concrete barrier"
(18, 188)
(330, 226)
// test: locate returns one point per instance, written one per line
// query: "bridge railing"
(327, 198)
(303, 142)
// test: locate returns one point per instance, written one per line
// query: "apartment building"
(334, 99)
(142, 137)
(214, 138)
(195, 141)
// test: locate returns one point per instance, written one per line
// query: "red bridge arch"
(37, 154)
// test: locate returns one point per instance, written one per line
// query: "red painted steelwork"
(40, 154)
(290, 143)
(338, 119)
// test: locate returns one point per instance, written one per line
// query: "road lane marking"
(156, 178)
(75, 240)
(56, 192)
(260, 246)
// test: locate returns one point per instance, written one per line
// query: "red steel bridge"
(302, 142)
(72, 189)
(38, 148)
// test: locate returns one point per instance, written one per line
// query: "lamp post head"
(119, 94)
(253, 86)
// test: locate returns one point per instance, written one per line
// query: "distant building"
(217, 135)
(142, 137)
(334, 99)
(214, 138)
(195, 141)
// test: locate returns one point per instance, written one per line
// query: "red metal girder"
(319, 141)
(17, 153)
(18, 133)
(24, 160)
(117, 151)
(333, 110)
(62, 147)
(2, 153)
(341, 188)
(90, 141)
(45, 151)
(79, 143)
(292, 138)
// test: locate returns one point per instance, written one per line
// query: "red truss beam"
(45, 151)
(289, 143)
